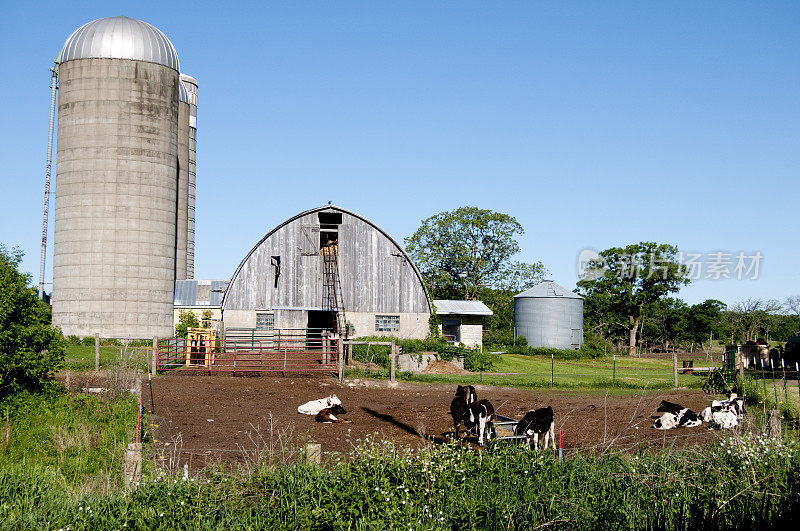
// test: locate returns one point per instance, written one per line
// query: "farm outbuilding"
(549, 315)
(330, 269)
(462, 321)
(199, 296)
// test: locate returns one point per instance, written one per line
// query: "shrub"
(73, 340)
(477, 361)
(186, 319)
(87, 341)
(30, 348)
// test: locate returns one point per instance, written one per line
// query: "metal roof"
(183, 93)
(332, 208)
(548, 289)
(186, 292)
(120, 38)
(444, 307)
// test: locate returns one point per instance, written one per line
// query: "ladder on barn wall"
(332, 288)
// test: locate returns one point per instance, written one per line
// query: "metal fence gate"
(252, 351)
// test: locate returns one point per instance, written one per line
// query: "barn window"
(387, 323)
(265, 321)
(276, 263)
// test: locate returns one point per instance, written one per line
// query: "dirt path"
(215, 418)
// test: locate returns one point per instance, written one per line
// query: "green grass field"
(82, 357)
(512, 370)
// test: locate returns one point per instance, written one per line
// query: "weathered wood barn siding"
(376, 274)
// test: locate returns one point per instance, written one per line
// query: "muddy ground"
(206, 419)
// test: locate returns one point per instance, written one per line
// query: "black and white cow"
(537, 422)
(724, 414)
(480, 418)
(459, 407)
(675, 416)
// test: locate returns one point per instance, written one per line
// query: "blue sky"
(593, 124)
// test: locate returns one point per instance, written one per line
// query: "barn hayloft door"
(332, 299)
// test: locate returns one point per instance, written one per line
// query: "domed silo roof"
(183, 92)
(120, 38)
(549, 315)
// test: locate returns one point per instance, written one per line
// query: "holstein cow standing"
(536, 422)
(480, 417)
(315, 406)
(459, 407)
(675, 416)
(724, 414)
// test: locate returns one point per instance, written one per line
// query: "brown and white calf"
(328, 415)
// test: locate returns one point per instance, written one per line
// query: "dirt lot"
(214, 418)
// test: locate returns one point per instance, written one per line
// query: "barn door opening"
(319, 322)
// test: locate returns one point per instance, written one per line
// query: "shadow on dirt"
(436, 439)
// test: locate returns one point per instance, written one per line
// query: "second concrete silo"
(181, 254)
(549, 315)
(116, 181)
(191, 86)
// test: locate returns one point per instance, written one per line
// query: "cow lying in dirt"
(328, 415)
(675, 416)
(315, 406)
(724, 414)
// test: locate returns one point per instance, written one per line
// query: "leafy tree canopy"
(466, 250)
(628, 281)
(30, 348)
(186, 319)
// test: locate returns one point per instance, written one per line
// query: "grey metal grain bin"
(116, 181)
(549, 315)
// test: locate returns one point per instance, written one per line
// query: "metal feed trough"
(503, 429)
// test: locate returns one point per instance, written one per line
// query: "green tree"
(752, 318)
(702, 319)
(186, 319)
(792, 305)
(466, 250)
(630, 280)
(30, 347)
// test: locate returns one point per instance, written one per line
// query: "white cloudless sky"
(593, 124)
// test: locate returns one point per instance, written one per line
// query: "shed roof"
(444, 307)
(548, 289)
(186, 292)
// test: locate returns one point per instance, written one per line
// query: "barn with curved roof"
(332, 269)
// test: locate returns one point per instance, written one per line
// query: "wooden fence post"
(774, 423)
(154, 368)
(314, 453)
(675, 367)
(340, 363)
(133, 465)
(96, 352)
(392, 362)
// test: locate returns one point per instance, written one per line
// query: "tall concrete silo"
(549, 315)
(191, 86)
(116, 181)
